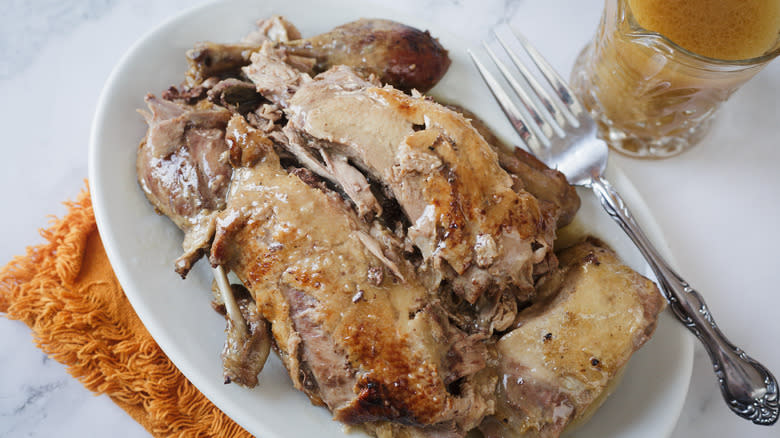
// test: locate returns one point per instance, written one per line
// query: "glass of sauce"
(657, 70)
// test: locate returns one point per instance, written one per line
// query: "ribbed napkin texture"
(66, 292)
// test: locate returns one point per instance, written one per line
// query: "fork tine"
(542, 98)
(515, 114)
(565, 94)
(546, 129)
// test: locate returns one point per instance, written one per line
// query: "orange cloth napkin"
(66, 291)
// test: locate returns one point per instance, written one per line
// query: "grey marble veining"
(55, 56)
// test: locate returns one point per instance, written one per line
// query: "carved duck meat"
(528, 173)
(353, 325)
(467, 219)
(183, 170)
(593, 313)
(396, 54)
(180, 169)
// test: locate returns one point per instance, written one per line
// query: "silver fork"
(561, 133)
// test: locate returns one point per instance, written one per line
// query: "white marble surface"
(718, 204)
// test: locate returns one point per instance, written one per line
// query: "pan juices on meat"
(394, 255)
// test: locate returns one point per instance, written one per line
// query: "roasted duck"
(393, 253)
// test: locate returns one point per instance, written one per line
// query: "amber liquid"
(720, 29)
(654, 100)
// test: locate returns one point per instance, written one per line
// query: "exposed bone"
(248, 340)
(231, 306)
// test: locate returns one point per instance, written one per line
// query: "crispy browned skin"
(593, 314)
(533, 176)
(399, 55)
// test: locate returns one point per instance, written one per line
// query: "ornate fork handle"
(748, 387)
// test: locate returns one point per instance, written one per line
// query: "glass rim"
(625, 12)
